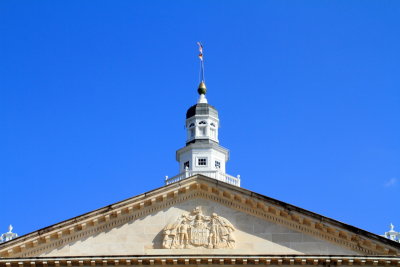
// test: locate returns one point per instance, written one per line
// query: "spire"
(201, 74)
(202, 89)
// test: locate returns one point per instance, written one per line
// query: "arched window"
(202, 122)
(212, 124)
(191, 125)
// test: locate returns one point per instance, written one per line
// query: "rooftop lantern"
(202, 153)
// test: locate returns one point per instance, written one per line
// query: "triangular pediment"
(199, 215)
(164, 232)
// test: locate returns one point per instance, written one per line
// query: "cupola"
(202, 153)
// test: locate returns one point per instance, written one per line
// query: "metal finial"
(202, 90)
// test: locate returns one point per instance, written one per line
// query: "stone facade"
(250, 229)
(146, 236)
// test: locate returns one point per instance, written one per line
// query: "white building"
(202, 217)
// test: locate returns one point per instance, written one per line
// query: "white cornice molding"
(325, 260)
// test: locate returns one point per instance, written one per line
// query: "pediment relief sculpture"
(195, 229)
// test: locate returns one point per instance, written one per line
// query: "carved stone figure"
(197, 230)
(183, 234)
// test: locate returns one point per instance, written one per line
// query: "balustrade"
(212, 174)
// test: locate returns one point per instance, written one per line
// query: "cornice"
(198, 186)
(274, 260)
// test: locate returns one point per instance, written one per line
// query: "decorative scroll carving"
(197, 230)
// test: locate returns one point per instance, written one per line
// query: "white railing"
(212, 174)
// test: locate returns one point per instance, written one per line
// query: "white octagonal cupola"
(202, 153)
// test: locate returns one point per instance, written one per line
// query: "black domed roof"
(201, 109)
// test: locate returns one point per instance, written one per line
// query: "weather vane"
(201, 74)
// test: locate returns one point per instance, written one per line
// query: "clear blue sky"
(93, 96)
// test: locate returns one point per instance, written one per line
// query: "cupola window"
(212, 124)
(217, 164)
(202, 123)
(186, 165)
(202, 161)
(191, 125)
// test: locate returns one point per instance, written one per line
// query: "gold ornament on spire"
(202, 90)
